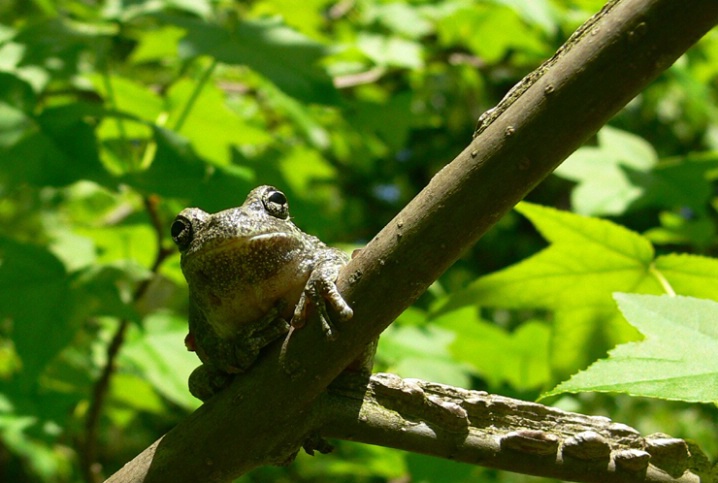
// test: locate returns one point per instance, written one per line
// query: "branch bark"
(501, 432)
(266, 414)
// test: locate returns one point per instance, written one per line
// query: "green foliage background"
(116, 114)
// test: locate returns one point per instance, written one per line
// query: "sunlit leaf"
(211, 126)
(502, 31)
(160, 354)
(158, 45)
(587, 261)
(676, 360)
(603, 173)
(391, 51)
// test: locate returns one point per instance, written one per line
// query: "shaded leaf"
(581, 335)
(421, 351)
(282, 55)
(177, 172)
(518, 358)
(60, 149)
(35, 295)
(680, 183)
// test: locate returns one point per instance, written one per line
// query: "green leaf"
(35, 295)
(581, 335)
(401, 18)
(131, 391)
(58, 38)
(391, 50)
(129, 96)
(502, 31)
(676, 360)
(588, 260)
(282, 55)
(17, 100)
(212, 128)
(518, 358)
(161, 357)
(602, 173)
(677, 183)
(60, 149)
(681, 228)
(177, 172)
(535, 12)
(389, 119)
(690, 274)
(421, 351)
(576, 275)
(157, 45)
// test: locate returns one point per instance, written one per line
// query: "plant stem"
(195, 95)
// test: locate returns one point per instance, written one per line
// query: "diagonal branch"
(266, 414)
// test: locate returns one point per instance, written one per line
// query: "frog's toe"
(337, 302)
(321, 293)
(327, 327)
(299, 318)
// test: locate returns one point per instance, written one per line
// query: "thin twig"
(88, 446)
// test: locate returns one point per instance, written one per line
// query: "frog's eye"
(181, 232)
(276, 204)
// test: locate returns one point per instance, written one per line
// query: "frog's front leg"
(321, 290)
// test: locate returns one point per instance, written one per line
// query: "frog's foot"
(205, 382)
(246, 349)
(316, 443)
(320, 291)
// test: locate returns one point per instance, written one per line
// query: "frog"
(253, 277)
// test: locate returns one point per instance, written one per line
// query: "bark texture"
(500, 432)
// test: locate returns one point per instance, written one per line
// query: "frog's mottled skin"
(249, 270)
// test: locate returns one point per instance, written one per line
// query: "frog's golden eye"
(181, 232)
(276, 204)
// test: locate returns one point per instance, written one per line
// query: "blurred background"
(116, 114)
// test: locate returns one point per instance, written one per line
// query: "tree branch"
(267, 413)
(500, 432)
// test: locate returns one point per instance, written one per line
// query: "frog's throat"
(238, 243)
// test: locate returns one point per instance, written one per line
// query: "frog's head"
(261, 224)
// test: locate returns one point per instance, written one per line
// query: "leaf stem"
(662, 280)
